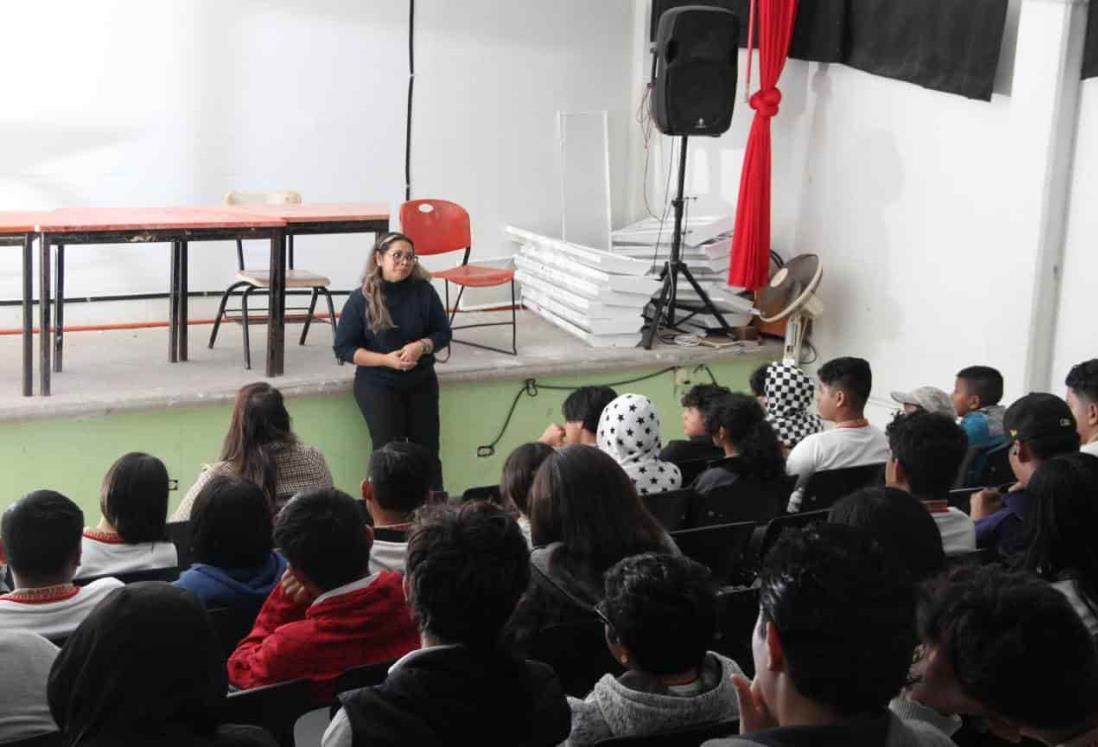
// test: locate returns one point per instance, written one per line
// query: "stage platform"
(119, 371)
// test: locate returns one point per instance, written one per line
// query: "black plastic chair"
(823, 489)
(671, 509)
(720, 548)
(481, 493)
(747, 499)
(690, 736)
(276, 708)
(367, 675)
(577, 653)
(232, 625)
(961, 498)
(984, 556)
(691, 468)
(43, 740)
(737, 613)
(764, 537)
(985, 467)
(389, 534)
(156, 574)
(179, 532)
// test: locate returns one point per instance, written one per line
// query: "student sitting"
(25, 660)
(1060, 530)
(1007, 648)
(1082, 398)
(1040, 426)
(399, 484)
(145, 668)
(330, 613)
(584, 517)
(41, 543)
(900, 523)
(751, 452)
(788, 401)
(845, 384)
(629, 431)
(131, 535)
(672, 681)
(467, 567)
(925, 399)
(515, 481)
(234, 561)
(927, 450)
(976, 394)
(260, 446)
(832, 646)
(581, 411)
(695, 404)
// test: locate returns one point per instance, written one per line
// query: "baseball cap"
(1038, 415)
(930, 398)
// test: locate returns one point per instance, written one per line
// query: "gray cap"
(930, 398)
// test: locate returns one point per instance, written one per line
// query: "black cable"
(531, 387)
(411, 86)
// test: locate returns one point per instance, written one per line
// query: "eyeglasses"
(399, 256)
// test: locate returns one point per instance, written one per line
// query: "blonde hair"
(377, 314)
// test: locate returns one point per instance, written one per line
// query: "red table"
(18, 228)
(177, 225)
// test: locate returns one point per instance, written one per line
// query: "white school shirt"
(58, 617)
(837, 448)
(25, 660)
(388, 556)
(105, 554)
(958, 530)
(1091, 448)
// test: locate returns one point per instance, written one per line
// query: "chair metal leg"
(59, 309)
(221, 310)
(514, 321)
(331, 317)
(309, 316)
(244, 320)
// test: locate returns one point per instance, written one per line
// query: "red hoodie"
(366, 624)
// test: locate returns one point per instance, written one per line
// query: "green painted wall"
(72, 455)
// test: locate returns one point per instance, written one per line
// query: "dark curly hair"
(930, 447)
(744, 421)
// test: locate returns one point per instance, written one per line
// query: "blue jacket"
(237, 587)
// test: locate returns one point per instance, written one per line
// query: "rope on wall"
(411, 86)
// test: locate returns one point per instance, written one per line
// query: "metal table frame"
(26, 240)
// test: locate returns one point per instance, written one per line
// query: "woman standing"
(390, 329)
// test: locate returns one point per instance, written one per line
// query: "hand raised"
(754, 715)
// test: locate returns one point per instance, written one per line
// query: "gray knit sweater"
(614, 709)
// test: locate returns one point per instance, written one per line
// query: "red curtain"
(751, 238)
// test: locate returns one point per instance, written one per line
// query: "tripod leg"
(657, 312)
(707, 303)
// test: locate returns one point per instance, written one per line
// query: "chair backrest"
(671, 509)
(179, 533)
(481, 493)
(691, 468)
(278, 197)
(747, 499)
(274, 707)
(980, 557)
(367, 675)
(232, 624)
(962, 498)
(720, 547)
(690, 736)
(435, 226)
(391, 534)
(823, 489)
(42, 740)
(996, 468)
(577, 652)
(133, 577)
(737, 612)
(765, 539)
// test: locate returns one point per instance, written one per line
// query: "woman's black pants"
(402, 415)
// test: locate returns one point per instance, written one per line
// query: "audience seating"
(765, 537)
(983, 556)
(232, 625)
(823, 489)
(577, 652)
(481, 493)
(44, 740)
(737, 613)
(367, 675)
(671, 508)
(179, 532)
(133, 577)
(720, 548)
(745, 500)
(691, 468)
(274, 707)
(983, 467)
(691, 736)
(389, 534)
(961, 498)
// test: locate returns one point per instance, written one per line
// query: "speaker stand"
(673, 268)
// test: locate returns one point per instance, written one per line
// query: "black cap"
(1038, 415)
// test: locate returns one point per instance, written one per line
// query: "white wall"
(178, 101)
(934, 215)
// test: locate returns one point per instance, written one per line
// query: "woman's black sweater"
(416, 312)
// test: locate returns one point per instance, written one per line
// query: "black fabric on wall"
(945, 45)
(1090, 47)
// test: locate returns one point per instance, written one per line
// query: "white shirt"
(837, 448)
(388, 556)
(25, 659)
(58, 618)
(1091, 448)
(102, 554)
(958, 530)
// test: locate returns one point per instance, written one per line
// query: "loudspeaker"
(694, 88)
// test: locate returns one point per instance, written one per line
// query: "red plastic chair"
(438, 227)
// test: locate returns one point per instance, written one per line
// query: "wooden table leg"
(28, 321)
(44, 314)
(276, 315)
